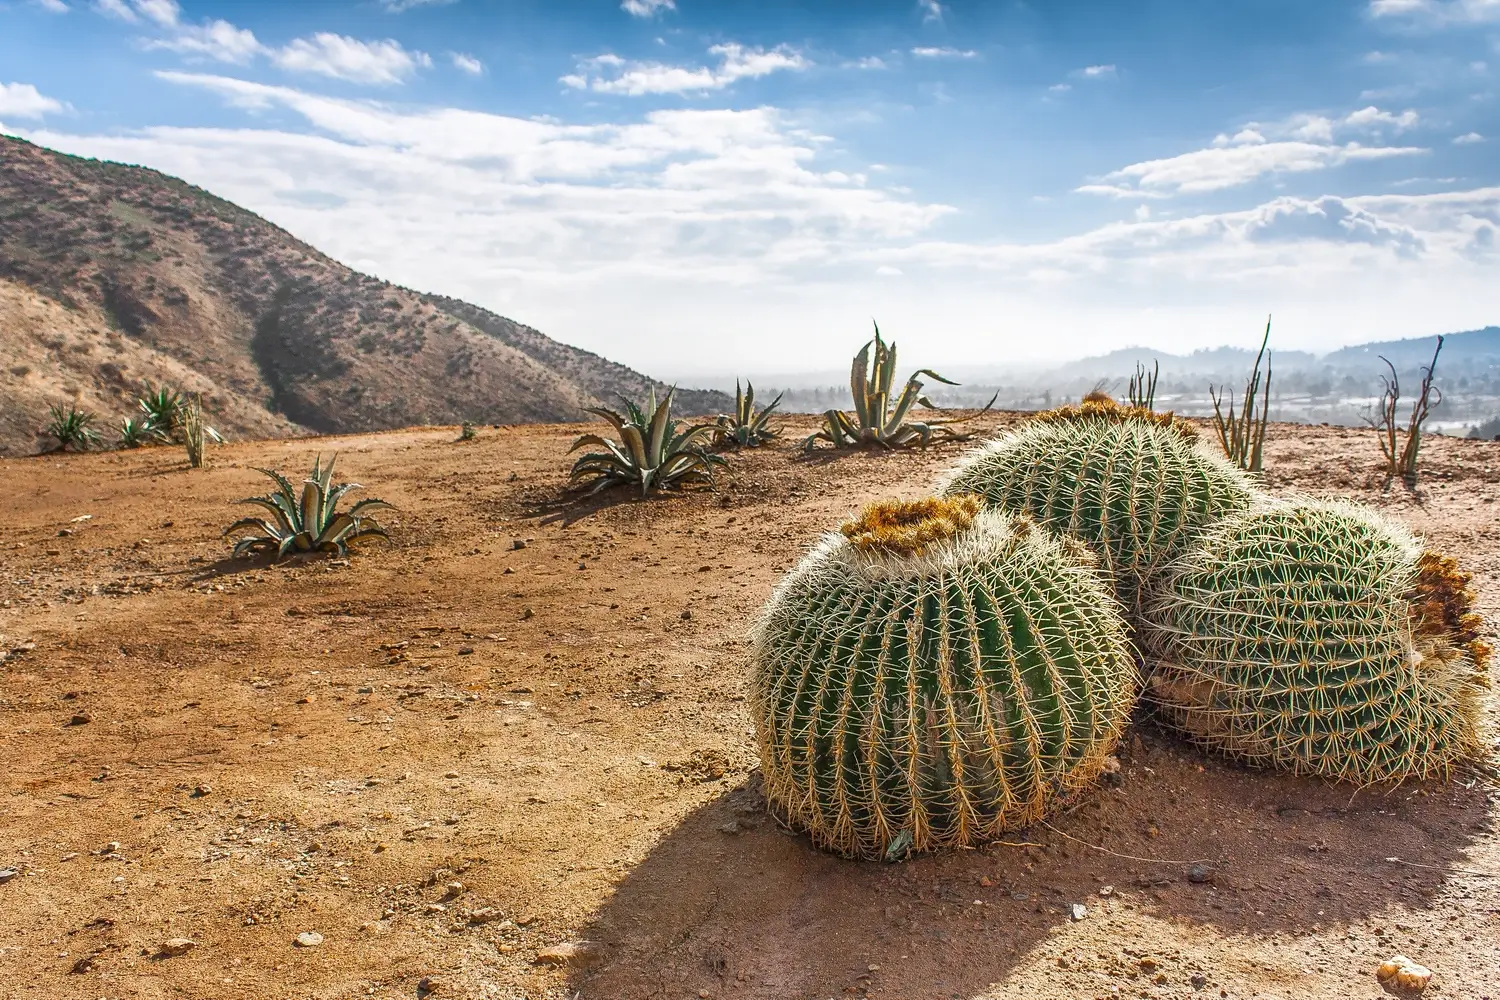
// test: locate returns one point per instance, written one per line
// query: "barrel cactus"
(1128, 482)
(935, 675)
(1319, 638)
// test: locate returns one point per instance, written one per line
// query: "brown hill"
(113, 275)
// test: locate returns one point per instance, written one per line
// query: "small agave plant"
(651, 453)
(878, 418)
(72, 427)
(746, 428)
(309, 521)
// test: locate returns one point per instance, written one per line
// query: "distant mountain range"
(112, 276)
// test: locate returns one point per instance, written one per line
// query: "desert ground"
(522, 725)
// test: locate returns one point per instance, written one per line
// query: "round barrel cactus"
(1319, 638)
(935, 675)
(1129, 483)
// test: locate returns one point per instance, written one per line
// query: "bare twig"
(1143, 385)
(1403, 462)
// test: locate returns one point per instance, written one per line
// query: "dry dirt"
(236, 754)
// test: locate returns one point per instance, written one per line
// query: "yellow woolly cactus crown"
(908, 527)
(1099, 405)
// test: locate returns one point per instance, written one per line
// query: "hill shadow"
(730, 903)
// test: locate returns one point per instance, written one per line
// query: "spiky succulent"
(933, 676)
(137, 431)
(72, 428)
(879, 418)
(307, 520)
(161, 409)
(1318, 637)
(746, 428)
(651, 453)
(1127, 482)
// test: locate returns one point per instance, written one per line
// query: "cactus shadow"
(730, 904)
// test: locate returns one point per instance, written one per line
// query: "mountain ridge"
(114, 275)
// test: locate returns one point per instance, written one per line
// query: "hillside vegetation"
(112, 275)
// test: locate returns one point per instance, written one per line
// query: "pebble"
(309, 939)
(80, 719)
(1402, 973)
(201, 790)
(575, 954)
(1079, 911)
(1200, 873)
(517, 544)
(483, 915)
(177, 946)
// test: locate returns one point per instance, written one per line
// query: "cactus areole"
(933, 676)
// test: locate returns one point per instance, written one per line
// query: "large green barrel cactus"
(1129, 483)
(1319, 638)
(936, 675)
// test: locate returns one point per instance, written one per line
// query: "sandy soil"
(451, 753)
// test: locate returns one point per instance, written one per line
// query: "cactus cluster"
(935, 675)
(1318, 637)
(944, 670)
(1130, 483)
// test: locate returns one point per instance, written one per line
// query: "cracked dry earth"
(443, 758)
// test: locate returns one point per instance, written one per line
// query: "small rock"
(1200, 873)
(307, 699)
(1106, 891)
(173, 947)
(732, 827)
(526, 921)
(427, 986)
(1198, 980)
(465, 650)
(308, 939)
(450, 774)
(687, 615)
(1079, 912)
(201, 790)
(517, 544)
(1401, 973)
(575, 954)
(84, 964)
(453, 890)
(483, 915)
(526, 613)
(1149, 964)
(80, 719)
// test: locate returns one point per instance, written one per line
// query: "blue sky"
(696, 186)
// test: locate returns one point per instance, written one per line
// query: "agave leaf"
(590, 439)
(932, 374)
(614, 418)
(369, 503)
(286, 523)
(312, 506)
(859, 385)
(661, 425)
(252, 522)
(326, 477)
(631, 435)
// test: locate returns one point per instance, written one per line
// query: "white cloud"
(931, 10)
(1374, 116)
(23, 100)
(466, 63)
(52, 6)
(1438, 13)
(1096, 72)
(401, 6)
(216, 39)
(610, 74)
(1467, 139)
(1060, 88)
(345, 58)
(647, 8)
(1226, 166)
(117, 9)
(868, 62)
(926, 52)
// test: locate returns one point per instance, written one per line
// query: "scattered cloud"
(215, 39)
(345, 58)
(1365, 117)
(931, 10)
(1096, 72)
(402, 6)
(1438, 13)
(1467, 139)
(1227, 166)
(161, 12)
(23, 100)
(466, 63)
(647, 8)
(1060, 88)
(1332, 220)
(926, 52)
(52, 6)
(610, 74)
(868, 62)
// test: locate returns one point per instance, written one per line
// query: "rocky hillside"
(113, 275)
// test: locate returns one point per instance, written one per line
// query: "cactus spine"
(1318, 638)
(934, 676)
(1130, 483)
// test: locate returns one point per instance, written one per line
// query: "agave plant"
(161, 410)
(651, 452)
(746, 428)
(309, 521)
(72, 427)
(877, 418)
(137, 431)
